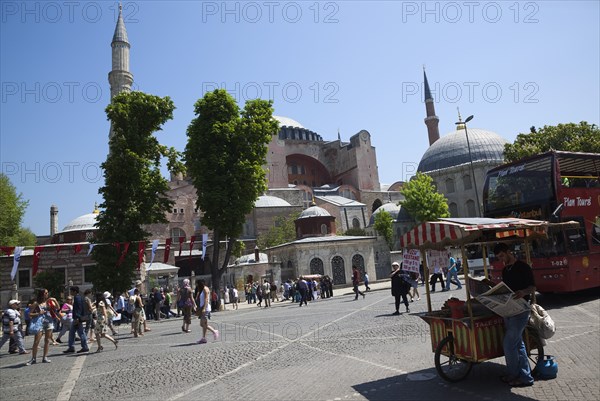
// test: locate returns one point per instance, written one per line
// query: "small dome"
(313, 211)
(452, 150)
(263, 258)
(82, 223)
(287, 122)
(270, 201)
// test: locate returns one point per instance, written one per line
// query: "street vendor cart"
(466, 332)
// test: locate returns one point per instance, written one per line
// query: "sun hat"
(14, 301)
(106, 294)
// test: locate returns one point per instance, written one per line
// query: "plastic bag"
(541, 320)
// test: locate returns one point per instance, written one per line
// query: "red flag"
(76, 249)
(181, 241)
(141, 249)
(125, 248)
(36, 259)
(167, 250)
(192, 240)
(58, 249)
(8, 250)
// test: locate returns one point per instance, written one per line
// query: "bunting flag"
(7, 249)
(124, 253)
(90, 250)
(192, 240)
(204, 242)
(154, 248)
(58, 249)
(16, 259)
(181, 241)
(167, 250)
(36, 259)
(141, 249)
(76, 249)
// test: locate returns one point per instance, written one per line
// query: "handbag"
(37, 324)
(541, 320)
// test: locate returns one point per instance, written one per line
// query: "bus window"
(596, 232)
(554, 245)
(576, 237)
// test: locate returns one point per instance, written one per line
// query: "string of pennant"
(122, 248)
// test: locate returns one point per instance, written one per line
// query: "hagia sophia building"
(332, 184)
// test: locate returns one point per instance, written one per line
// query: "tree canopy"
(283, 231)
(582, 137)
(422, 200)
(12, 209)
(134, 191)
(224, 157)
(383, 225)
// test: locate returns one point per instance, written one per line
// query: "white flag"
(204, 241)
(90, 250)
(17, 258)
(154, 248)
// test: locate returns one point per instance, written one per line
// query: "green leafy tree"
(224, 156)
(134, 191)
(282, 232)
(52, 280)
(422, 200)
(383, 226)
(356, 232)
(12, 209)
(582, 137)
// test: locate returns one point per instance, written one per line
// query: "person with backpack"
(185, 301)
(356, 282)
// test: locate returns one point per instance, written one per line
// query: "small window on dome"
(323, 229)
(181, 211)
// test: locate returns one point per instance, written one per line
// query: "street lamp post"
(471, 163)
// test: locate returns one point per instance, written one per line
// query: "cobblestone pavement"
(333, 349)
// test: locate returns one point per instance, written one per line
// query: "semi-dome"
(313, 211)
(287, 122)
(82, 223)
(270, 201)
(452, 150)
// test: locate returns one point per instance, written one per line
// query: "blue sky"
(340, 65)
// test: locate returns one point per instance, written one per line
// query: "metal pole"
(473, 171)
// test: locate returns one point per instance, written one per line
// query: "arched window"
(467, 182)
(176, 233)
(324, 229)
(338, 270)
(450, 186)
(355, 223)
(453, 209)
(471, 208)
(316, 266)
(376, 205)
(359, 262)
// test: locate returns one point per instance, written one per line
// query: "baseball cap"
(14, 301)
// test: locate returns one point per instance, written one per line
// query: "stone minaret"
(432, 121)
(120, 78)
(53, 219)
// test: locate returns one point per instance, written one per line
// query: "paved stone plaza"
(334, 349)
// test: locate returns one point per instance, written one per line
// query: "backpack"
(131, 304)
(273, 287)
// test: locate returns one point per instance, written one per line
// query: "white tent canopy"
(159, 269)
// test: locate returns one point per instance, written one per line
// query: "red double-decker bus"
(554, 186)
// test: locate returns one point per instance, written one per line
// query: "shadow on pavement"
(427, 385)
(557, 301)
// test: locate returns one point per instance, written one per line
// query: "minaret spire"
(432, 121)
(120, 79)
(459, 126)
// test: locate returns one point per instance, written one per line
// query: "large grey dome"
(270, 201)
(451, 150)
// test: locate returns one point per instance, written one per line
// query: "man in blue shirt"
(452, 275)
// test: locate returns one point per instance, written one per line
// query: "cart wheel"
(535, 349)
(450, 368)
